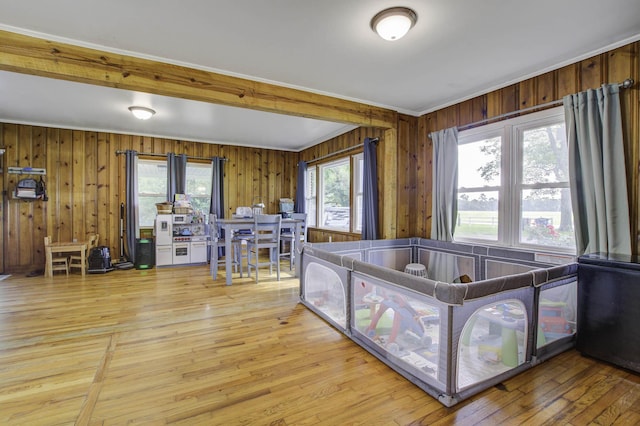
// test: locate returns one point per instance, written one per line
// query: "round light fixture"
(393, 23)
(142, 113)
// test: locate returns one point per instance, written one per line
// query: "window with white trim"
(513, 183)
(333, 194)
(152, 187)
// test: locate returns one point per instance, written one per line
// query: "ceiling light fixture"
(142, 113)
(393, 23)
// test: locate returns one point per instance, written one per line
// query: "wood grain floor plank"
(171, 346)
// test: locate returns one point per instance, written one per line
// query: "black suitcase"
(100, 260)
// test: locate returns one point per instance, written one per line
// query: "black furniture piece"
(145, 254)
(609, 308)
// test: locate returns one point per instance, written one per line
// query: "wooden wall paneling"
(110, 236)
(546, 88)
(408, 171)
(23, 231)
(276, 182)
(495, 105)
(239, 178)
(39, 138)
(65, 173)
(231, 173)
(258, 173)
(509, 98)
(105, 171)
(425, 127)
(78, 201)
(90, 186)
(567, 81)
(261, 177)
(13, 212)
(478, 109)
(592, 73)
(53, 205)
(527, 93)
(246, 185)
(465, 115)
(275, 185)
(408, 165)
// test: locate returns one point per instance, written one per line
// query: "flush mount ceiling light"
(142, 113)
(393, 23)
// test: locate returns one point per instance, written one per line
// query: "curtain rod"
(152, 154)
(373, 140)
(624, 85)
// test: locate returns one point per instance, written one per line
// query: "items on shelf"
(182, 204)
(30, 188)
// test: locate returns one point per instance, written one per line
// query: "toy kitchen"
(181, 239)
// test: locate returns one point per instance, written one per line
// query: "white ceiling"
(457, 50)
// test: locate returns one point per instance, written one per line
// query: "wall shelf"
(26, 171)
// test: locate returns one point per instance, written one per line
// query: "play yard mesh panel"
(480, 316)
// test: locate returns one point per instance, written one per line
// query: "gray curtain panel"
(217, 187)
(445, 184)
(176, 175)
(131, 197)
(217, 193)
(370, 190)
(597, 172)
(299, 202)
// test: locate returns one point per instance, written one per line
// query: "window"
(310, 197)
(513, 183)
(198, 186)
(333, 194)
(152, 187)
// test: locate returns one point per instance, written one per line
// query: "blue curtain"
(444, 190)
(131, 198)
(299, 202)
(217, 187)
(597, 173)
(370, 191)
(176, 175)
(217, 193)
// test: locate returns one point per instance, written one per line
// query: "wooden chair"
(288, 235)
(266, 235)
(75, 260)
(217, 243)
(58, 263)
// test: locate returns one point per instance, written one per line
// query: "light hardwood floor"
(170, 346)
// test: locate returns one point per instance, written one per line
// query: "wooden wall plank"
(610, 67)
(85, 181)
(246, 173)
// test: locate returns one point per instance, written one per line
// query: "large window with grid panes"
(513, 183)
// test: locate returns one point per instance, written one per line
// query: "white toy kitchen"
(181, 239)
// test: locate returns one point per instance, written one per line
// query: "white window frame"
(314, 197)
(509, 200)
(163, 195)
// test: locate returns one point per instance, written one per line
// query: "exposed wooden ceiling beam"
(31, 55)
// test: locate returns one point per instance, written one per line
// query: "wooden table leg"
(83, 254)
(48, 262)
